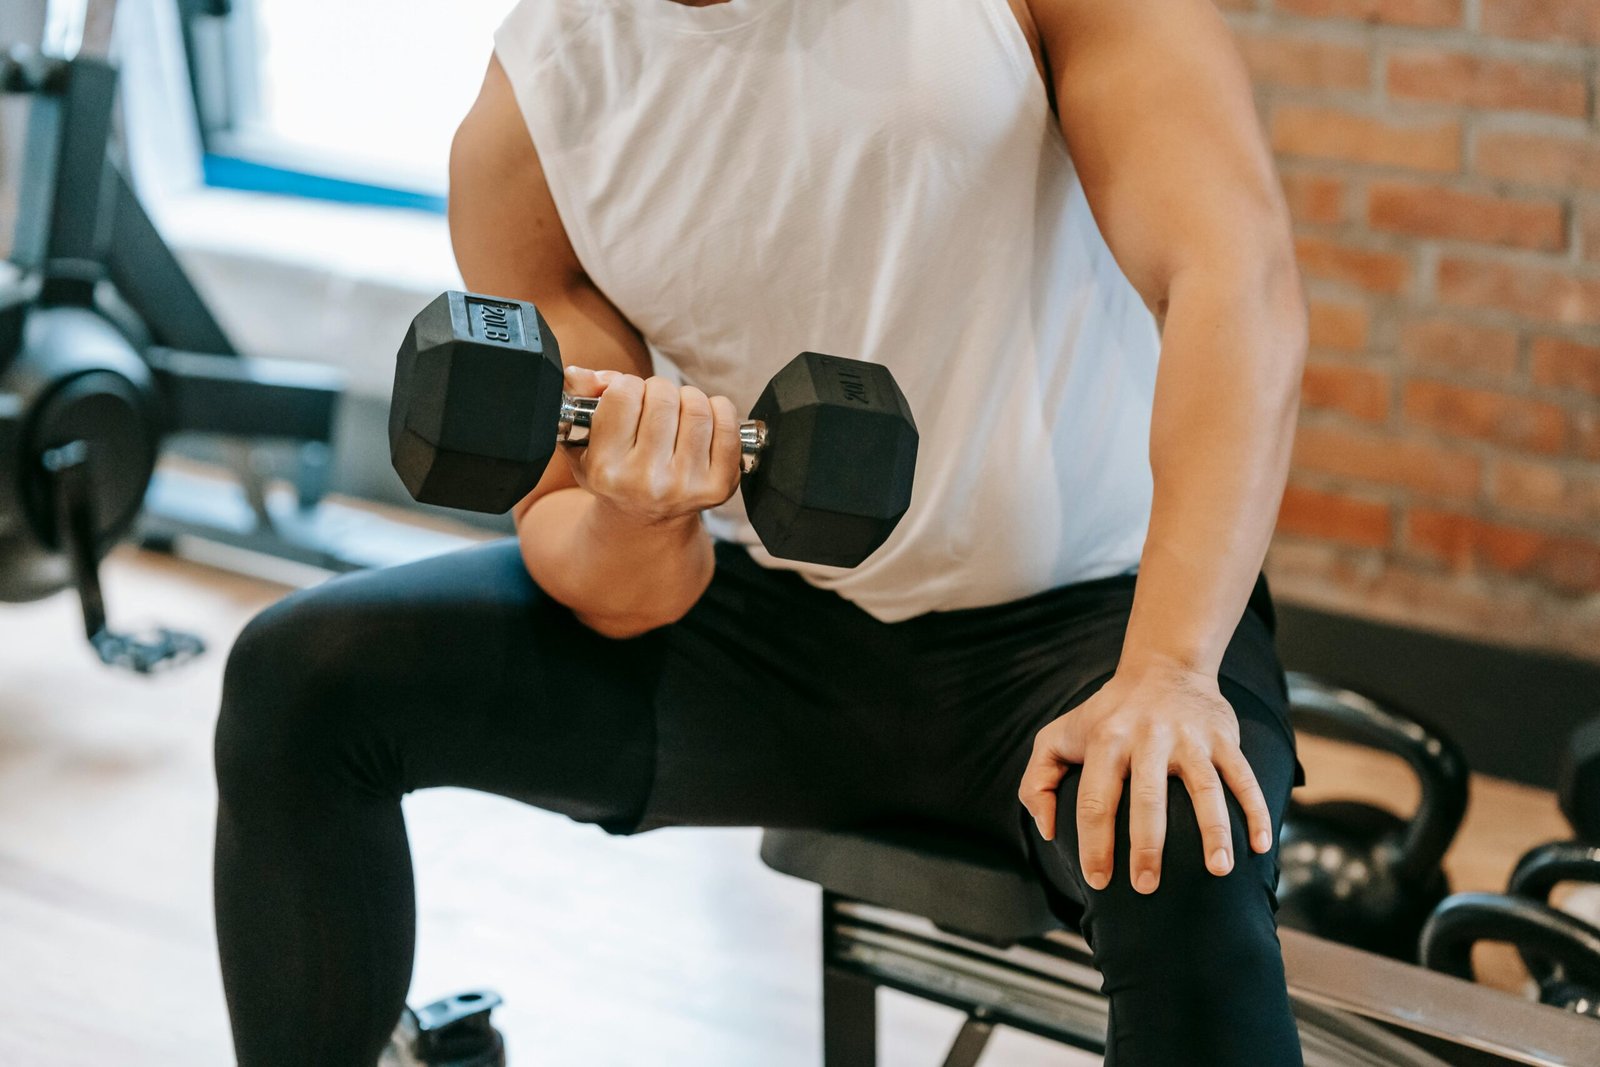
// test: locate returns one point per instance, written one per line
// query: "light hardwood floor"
(676, 947)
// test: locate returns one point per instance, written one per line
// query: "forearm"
(619, 577)
(1221, 433)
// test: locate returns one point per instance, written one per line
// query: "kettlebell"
(1535, 878)
(1356, 873)
(1570, 945)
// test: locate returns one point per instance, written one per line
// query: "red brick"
(1300, 62)
(1338, 517)
(1558, 162)
(1439, 211)
(1486, 415)
(1547, 293)
(1384, 459)
(1459, 347)
(1431, 75)
(1563, 364)
(1354, 391)
(1546, 490)
(1330, 133)
(1316, 198)
(1575, 21)
(1589, 232)
(1401, 593)
(1463, 541)
(1377, 272)
(1338, 327)
(1398, 12)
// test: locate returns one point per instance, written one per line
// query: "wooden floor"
(677, 947)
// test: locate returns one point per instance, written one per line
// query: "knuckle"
(1107, 735)
(661, 392)
(1149, 794)
(1093, 807)
(694, 405)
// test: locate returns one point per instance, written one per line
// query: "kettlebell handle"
(1441, 769)
(1545, 867)
(1462, 920)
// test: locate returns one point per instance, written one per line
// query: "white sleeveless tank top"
(878, 179)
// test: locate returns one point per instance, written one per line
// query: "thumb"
(580, 381)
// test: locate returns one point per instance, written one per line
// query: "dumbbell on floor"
(478, 410)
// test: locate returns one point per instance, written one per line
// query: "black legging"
(771, 703)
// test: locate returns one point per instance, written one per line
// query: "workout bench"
(968, 927)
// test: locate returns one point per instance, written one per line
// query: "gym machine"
(107, 350)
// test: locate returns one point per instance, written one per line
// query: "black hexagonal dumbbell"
(478, 410)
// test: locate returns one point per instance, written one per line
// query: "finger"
(615, 422)
(1040, 782)
(1241, 779)
(1147, 815)
(1210, 811)
(1099, 792)
(725, 443)
(692, 451)
(658, 422)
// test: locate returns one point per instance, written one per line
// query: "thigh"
(460, 671)
(452, 671)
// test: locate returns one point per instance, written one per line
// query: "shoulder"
(502, 214)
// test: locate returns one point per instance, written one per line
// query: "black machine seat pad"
(963, 887)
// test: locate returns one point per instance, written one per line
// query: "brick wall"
(1442, 161)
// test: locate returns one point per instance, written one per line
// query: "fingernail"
(1219, 861)
(1096, 880)
(1147, 882)
(1263, 841)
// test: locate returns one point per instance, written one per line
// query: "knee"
(284, 698)
(1195, 920)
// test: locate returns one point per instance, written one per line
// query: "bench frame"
(1387, 1013)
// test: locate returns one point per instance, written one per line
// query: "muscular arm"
(620, 577)
(1157, 112)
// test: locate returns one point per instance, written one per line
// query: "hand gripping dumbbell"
(478, 410)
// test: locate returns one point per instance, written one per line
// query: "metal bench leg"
(849, 1020)
(970, 1042)
(849, 1005)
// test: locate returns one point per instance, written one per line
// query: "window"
(355, 100)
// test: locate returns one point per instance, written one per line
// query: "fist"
(657, 451)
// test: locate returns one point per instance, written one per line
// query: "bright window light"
(366, 89)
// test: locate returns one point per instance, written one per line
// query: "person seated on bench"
(998, 200)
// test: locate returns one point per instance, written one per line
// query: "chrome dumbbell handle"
(577, 415)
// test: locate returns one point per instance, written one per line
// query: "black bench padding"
(962, 887)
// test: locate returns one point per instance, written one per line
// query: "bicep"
(1156, 107)
(509, 241)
